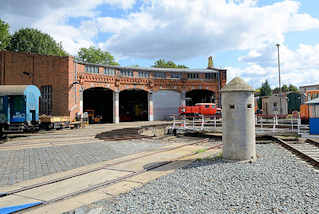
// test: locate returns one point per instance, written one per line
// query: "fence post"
(184, 122)
(203, 121)
(215, 124)
(292, 124)
(193, 122)
(299, 123)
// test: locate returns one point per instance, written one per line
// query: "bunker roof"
(237, 84)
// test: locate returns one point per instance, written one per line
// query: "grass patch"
(200, 151)
(211, 158)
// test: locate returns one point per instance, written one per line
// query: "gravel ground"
(276, 183)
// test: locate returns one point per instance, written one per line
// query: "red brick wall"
(62, 72)
(42, 70)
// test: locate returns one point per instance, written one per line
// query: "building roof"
(237, 84)
(15, 89)
(307, 86)
(176, 70)
(314, 101)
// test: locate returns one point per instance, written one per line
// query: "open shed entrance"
(199, 96)
(133, 105)
(98, 102)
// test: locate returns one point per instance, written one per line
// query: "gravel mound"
(276, 183)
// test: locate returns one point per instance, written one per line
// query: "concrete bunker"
(200, 96)
(133, 105)
(239, 137)
(98, 102)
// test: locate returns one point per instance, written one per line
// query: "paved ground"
(46, 153)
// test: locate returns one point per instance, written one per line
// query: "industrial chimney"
(210, 62)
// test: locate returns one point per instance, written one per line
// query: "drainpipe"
(32, 80)
(219, 86)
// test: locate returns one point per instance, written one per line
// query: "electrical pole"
(280, 106)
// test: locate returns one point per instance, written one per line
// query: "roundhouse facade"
(116, 93)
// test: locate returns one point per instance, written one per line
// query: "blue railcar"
(19, 108)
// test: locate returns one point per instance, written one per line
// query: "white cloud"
(180, 30)
(52, 17)
(184, 29)
(299, 67)
(125, 4)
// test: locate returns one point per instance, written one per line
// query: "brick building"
(69, 87)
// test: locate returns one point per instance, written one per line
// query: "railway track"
(121, 134)
(128, 174)
(308, 149)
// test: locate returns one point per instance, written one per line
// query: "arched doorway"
(200, 96)
(133, 105)
(98, 102)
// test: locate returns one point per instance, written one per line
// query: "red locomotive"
(206, 109)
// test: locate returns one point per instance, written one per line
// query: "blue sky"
(239, 34)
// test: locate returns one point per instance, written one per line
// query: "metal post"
(215, 122)
(193, 122)
(203, 121)
(280, 105)
(292, 124)
(299, 123)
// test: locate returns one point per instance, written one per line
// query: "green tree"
(96, 55)
(34, 41)
(161, 63)
(4, 35)
(292, 88)
(265, 89)
(284, 88)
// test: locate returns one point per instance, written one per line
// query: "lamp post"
(280, 106)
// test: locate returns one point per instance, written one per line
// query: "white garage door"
(165, 103)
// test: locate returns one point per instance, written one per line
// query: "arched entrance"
(133, 105)
(98, 102)
(200, 96)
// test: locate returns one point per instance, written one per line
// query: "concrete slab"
(78, 170)
(108, 192)
(14, 200)
(118, 188)
(75, 184)
(141, 164)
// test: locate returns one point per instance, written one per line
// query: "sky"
(241, 35)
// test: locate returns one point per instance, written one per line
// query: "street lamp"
(280, 107)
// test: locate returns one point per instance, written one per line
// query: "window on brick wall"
(143, 74)
(92, 69)
(109, 71)
(125, 73)
(160, 75)
(46, 100)
(211, 76)
(176, 75)
(193, 76)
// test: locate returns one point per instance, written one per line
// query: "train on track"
(206, 109)
(19, 108)
(19, 111)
